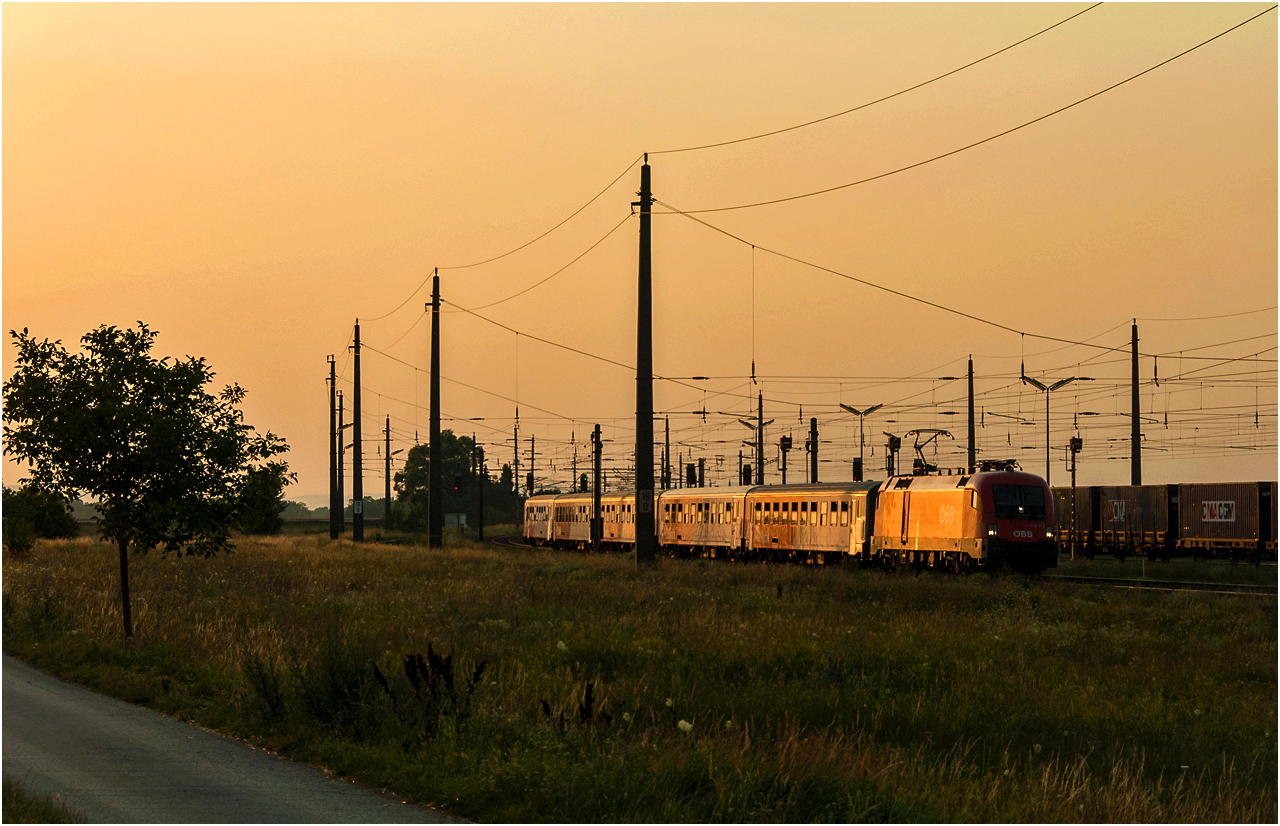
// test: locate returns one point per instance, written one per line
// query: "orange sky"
(250, 179)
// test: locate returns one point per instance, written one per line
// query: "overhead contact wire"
(986, 139)
(878, 100)
(549, 277)
(553, 229)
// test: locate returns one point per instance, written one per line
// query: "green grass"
(834, 694)
(20, 807)
(1183, 569)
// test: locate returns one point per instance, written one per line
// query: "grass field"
(692, 691)
(21, 807)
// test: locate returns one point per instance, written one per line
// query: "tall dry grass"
(718, 692)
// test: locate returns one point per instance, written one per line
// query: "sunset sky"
(251, 179)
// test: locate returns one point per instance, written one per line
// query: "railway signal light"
(582, 483)
(857, 469)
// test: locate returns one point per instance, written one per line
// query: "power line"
(984, 140)
(549, 277)
(553, 229)
(879, 100)
(1210, 317)
(692, 217)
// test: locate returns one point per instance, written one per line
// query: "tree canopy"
(167, 461)
(412, 485)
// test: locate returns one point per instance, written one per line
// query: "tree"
(167, 461)
(412, 485)
(262, 500)
(35, 512)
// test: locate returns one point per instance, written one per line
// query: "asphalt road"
(112, 762)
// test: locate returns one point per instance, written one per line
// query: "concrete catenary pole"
(386, 500)
(646, 536)
(435, 488)
(1135, 466)
(357, 457)
(335, 499)
(813, 451)
(342, 458)
(597, 523)
(973, 433)
(484, 480)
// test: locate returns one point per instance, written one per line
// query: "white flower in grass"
(668, 702)
(562, 646)
(1036, 748)
(685, 726)
(728, 724)
(626, 715)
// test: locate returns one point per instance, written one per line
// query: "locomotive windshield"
(1019, 502)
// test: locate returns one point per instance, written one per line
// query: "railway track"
(1102, 582)
(1158, 585)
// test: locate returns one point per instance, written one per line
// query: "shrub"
(45, 513)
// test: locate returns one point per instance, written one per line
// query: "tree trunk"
(124, 588)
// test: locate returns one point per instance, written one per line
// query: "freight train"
(961, 520)
(1232, 520)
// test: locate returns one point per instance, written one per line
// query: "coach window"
(844, 513)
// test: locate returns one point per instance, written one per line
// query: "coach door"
(906, 516)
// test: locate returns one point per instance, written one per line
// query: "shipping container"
(1226, 519)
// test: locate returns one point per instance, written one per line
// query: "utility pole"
(533, 444)
(1135, 451)
(973, 433)
(702, 472)
(357, 459)
(484, 480)
(646, 536)
(813, 451)
(1076, 445)
(784, 447)
(335, 499)
(435, 487)
(515, 442)
(386, 501)
(597, 523)
(386, 508)
(666, 458)
(742, 480)
(342, 456)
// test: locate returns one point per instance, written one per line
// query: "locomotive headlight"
(991, 530)
(1048, 533)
